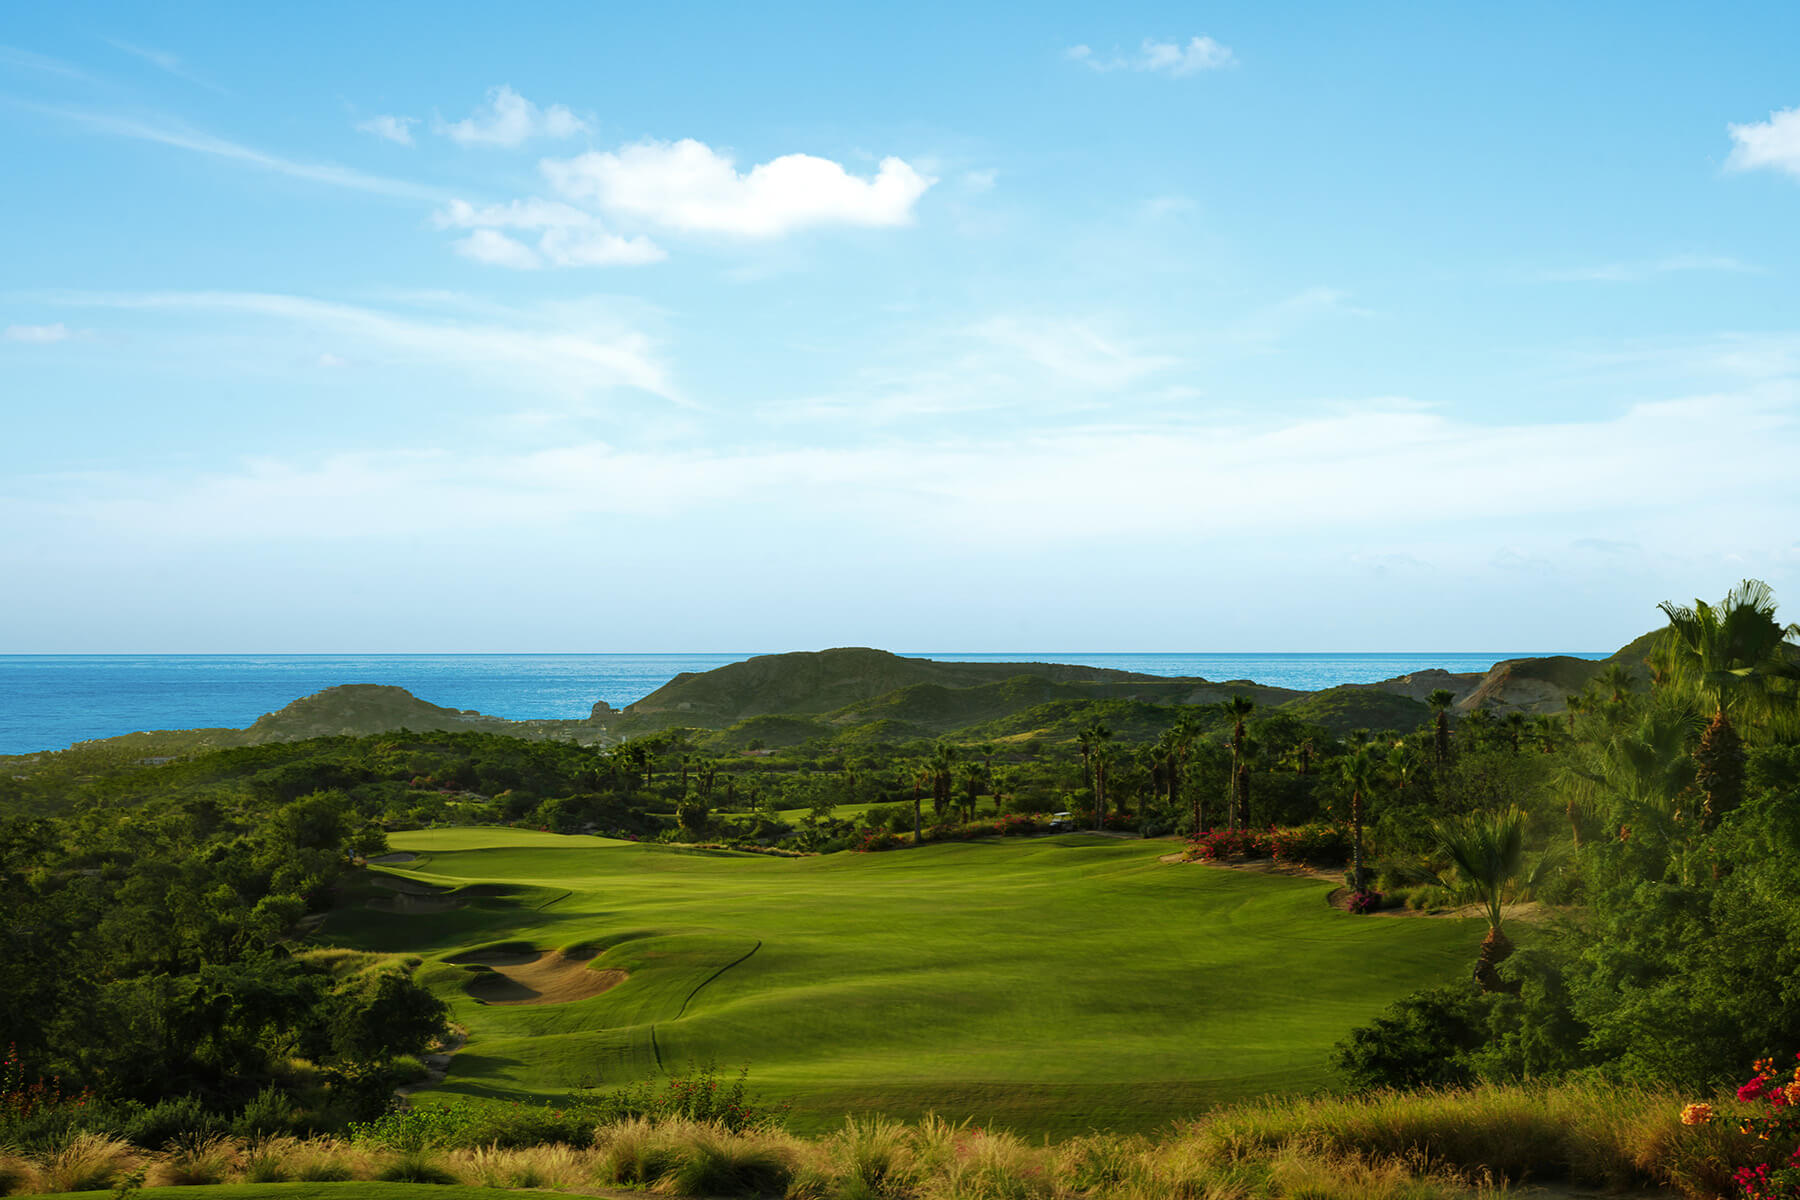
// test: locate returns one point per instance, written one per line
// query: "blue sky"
(1238, 327)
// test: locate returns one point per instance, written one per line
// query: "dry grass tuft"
(195, 1161)
(86, 1162)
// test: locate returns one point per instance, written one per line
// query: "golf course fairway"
(1052, 984)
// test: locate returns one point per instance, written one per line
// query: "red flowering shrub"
(1218, 845)
(1776, 1124)
(1366, 901)
(869, 840)
(1017, 825)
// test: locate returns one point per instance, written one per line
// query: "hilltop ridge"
(863, 695)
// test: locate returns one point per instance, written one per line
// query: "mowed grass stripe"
(980, 979)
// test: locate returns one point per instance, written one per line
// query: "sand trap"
(405, 902)
(525, 976)
(409, 887)
(399, 856)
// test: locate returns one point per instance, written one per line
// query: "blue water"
(48, 701)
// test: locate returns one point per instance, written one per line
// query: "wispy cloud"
(1636, 272)
(1774, 144)
(39, 334)
(162, 60)
(1313, 477)
(28, 60)
(689, 186)
(563, 356)
(570, 236)
(392, 128)
(1168, 58)
(509, 119)
(168, 133)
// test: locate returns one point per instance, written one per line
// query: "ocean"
(48, 701)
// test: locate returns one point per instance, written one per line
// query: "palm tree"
(1514, 723)
(1487, 865)
(1736, 656)
(943, 766)
(1104, 755)
(1237, 708)
(1545, 730)
(1362, 774)
(1440, 701)
(1477, 725)
(1615, 682)
(1638, 774)
(1402, 764)
(923, 777)
(1574, 704)
(1176, 745)
(1091, 738)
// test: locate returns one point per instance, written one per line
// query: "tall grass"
(1453, 1145)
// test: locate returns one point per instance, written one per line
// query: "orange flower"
(1696, 1114)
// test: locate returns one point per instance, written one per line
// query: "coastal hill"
(860, 696)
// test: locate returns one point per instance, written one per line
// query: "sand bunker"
(526, 976)
(405, 902)
(412, 896)
(409, 887)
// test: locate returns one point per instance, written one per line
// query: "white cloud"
(1169, 58)
(184, 138)
(592, 247)
(1074, 351)
(1774, 143)
(570, 238)
(688, 186)
(509, 119)
(494, 248)
(394, 129)
(37, 333)
(1318, 477)
(1636, 272)
(577, 355)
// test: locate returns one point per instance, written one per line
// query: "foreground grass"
(1384, 1147)
(1051, 985)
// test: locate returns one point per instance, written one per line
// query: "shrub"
(415, 1166)
(1017, 825)
(1313, 845)
(180, 1117)
(1367, 900)
(1220, 845)
(272, 1112)
(1418, 1041)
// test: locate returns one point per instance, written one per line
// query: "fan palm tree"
(1737, 657)
(1487, 864)
(1638, 775)
(1237, 708)
(1090, 740)
(923, 776)
(1362, 775)
(1515, 723)
(1104, 755)
(1615, 683)
(1440, 701)
(943, 768)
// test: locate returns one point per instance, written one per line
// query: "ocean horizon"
(49, 701)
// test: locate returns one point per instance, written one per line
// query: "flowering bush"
(869, 840)
(1017, 825)
(1776, 1122)
(1216, 845)
(1366, 901)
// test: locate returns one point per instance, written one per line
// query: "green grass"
(1052, 984)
